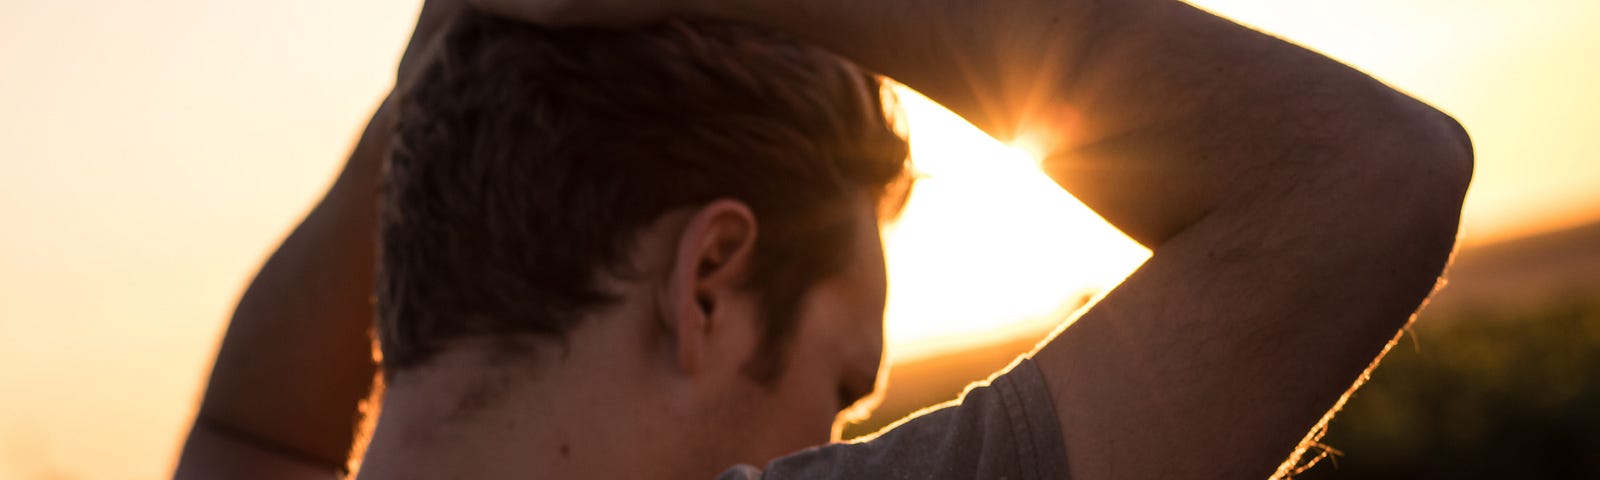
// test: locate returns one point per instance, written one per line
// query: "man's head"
(709, 191)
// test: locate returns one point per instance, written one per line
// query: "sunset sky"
(152, 153)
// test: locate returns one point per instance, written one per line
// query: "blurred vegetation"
(1492, 390)
(1479, 394)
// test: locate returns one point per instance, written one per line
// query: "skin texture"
(1298, 212)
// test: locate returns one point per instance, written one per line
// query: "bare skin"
(1298, 212)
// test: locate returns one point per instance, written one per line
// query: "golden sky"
(153, 152)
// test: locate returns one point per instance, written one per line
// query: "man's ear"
(712, 258)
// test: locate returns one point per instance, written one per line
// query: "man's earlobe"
(709, 265)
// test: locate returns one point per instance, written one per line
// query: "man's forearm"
(1152, 112)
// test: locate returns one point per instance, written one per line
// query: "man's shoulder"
(1006, 428)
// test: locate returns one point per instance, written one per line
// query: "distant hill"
(1508, 275)
(1523, 272)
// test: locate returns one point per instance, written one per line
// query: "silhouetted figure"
(623, 246)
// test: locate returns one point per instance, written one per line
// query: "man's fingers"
(435, 15)
(590, 13)
(545, 12)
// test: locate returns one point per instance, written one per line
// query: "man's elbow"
(1402, 139)
(1447, 158)
(1442, 167)
(1428, 177)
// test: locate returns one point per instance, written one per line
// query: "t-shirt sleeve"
(1007, 429)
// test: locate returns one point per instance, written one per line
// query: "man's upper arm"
(1218, 356)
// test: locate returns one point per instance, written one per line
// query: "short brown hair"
(527, 159)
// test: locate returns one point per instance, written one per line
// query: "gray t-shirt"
(1006, 430)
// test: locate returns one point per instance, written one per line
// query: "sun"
(987, 243)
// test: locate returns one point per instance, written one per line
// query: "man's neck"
(450, 420)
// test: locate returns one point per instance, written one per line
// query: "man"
(1297, 210)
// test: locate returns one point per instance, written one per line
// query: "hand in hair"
(435, 16)
(603, 13)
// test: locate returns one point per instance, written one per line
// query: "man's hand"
(436, 16)
(599, 13)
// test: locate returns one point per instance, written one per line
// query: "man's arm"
(296, 361)
(285, 392)
(1299, 211)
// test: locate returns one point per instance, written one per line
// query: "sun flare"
(987, 243)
